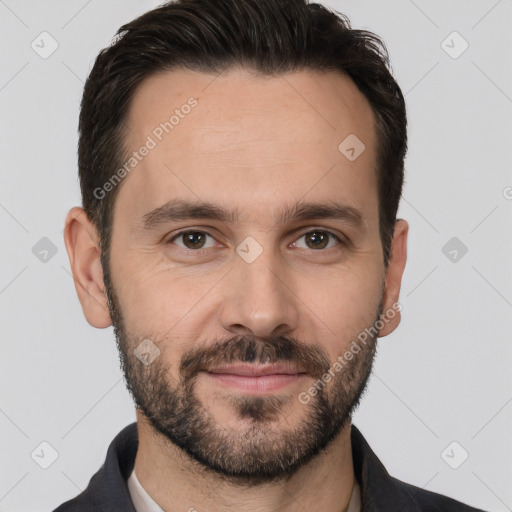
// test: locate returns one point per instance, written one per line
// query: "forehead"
(252, 142)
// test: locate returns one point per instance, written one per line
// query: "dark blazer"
(108, 491)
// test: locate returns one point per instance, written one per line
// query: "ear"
(82, 244)
(394, 272)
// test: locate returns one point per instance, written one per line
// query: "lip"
(254, 379)
(251, 370)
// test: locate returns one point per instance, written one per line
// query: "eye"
(196, 240)
(318, 239)
(192, 240)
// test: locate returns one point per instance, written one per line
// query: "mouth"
(256, 379)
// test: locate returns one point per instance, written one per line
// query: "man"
(241, 164)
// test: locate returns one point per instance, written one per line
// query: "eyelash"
(202, 250)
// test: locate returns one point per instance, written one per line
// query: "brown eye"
(191, 239)
(318, 239)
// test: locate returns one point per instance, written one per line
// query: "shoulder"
(429, 501)
(85, 501)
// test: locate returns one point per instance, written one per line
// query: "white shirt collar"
(143, 502)
(355, 500)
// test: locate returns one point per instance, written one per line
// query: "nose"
(259, 298)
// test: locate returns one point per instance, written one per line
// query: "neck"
(177, 482)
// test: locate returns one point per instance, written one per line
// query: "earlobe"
(394, 272)
(82, 245)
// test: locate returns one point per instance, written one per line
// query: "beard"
(260, 449)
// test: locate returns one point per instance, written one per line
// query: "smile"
(255, 379)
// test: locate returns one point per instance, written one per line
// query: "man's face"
(255, 289)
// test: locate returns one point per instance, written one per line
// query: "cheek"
(140, 289)
(160, 301)
(343, 304)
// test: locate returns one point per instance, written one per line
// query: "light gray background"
(443, 376)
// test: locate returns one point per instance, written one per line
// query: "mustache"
(250, 349)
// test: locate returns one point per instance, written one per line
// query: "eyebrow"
(179, 210)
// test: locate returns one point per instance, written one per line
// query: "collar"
(108, 488)
(143, 502)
